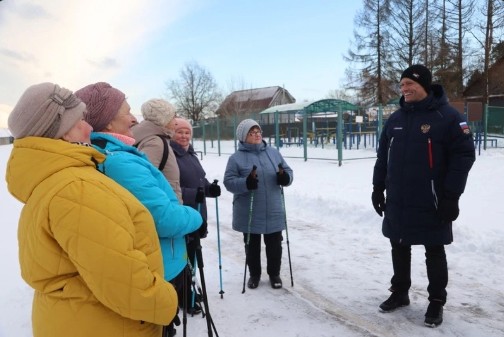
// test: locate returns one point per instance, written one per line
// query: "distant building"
(475, 88)
(251, 101)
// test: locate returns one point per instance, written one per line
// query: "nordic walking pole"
(195, 261)
(253, 173)
(281, 170)
(221, 292)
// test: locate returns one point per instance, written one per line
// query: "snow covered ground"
(341, 263)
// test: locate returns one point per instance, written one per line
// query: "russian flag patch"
(464, 127)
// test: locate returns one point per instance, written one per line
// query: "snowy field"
(340, 261)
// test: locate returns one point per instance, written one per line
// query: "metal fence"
(310, 135)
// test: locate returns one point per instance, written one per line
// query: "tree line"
(458, 40)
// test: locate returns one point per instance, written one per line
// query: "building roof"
(254, 100)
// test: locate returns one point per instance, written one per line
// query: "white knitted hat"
(158, 111)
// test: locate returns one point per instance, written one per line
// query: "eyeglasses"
(255, 133)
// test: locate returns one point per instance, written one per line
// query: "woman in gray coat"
(256, 174)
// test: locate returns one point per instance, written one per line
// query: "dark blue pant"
(437, 270)
(273, 243)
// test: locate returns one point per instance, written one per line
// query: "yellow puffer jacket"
(86, 245)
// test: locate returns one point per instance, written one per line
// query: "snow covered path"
(341, 262)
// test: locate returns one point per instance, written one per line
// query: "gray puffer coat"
(267, 209)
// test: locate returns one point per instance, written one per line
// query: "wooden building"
(252, 101)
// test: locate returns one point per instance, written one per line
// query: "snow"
(341, 263)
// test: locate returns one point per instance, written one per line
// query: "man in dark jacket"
(425, 153)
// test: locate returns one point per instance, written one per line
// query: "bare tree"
(371, 42)
(493, 14)
(406, 24)
(340, 94)
(196, 92)
(455, 23)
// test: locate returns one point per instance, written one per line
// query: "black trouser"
(273, 244)
(437, 270)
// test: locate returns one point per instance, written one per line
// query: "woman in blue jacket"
(253, 176)
(109, 114)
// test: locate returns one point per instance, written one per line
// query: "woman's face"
(80, 133)
(182, 136)
(123, 121)
(254, 136)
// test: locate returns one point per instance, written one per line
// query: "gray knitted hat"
(45, 110)
(158, 111)
(244, 127)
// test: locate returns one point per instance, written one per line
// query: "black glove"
(448, 209)
(176, 319)
(214, 190)
(283, 178)
(200, 233)
(200, 195)
(252, 181)
(203, 230)
(378, 199)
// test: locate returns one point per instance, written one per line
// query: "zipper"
(431, 167)
(388, 150)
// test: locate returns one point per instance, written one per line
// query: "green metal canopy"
(324, 105)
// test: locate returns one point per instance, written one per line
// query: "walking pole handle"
(253, 173)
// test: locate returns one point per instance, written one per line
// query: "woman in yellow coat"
(86, 245)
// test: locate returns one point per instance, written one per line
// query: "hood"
(34, 159)
(252, 147)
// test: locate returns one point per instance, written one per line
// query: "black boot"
(276, 282)
(253, 282)
(434, 314)
(396, 300)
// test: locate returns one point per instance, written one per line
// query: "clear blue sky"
(138, 46)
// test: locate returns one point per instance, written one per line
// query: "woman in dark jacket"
(425, 153)
(194, 185)
(254, 177)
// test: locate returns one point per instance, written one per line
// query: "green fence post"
(203, 134)
(218, 136)
(277, 131)
(305, 138)
(340, 134)
(485, 127)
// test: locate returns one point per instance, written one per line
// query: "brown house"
(251, 101)
(475, 88)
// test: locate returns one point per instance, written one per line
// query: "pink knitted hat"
(102, 102)
(181, 123)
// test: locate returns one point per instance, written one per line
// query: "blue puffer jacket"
(425, 153)
(132, 170)
(267, 211)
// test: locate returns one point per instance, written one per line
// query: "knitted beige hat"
(158, 111)
(45, 110)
